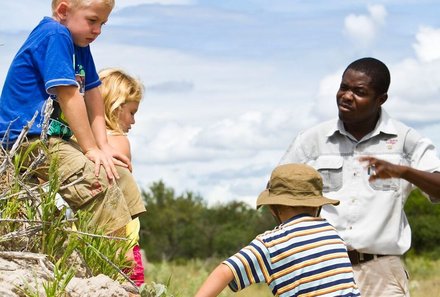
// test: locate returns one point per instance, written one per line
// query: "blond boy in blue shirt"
(55, 61)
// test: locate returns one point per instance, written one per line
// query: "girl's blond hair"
(82, 3)
(118, 88)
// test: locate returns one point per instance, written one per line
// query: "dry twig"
(45, 264)
(31, 231)
(9, 155)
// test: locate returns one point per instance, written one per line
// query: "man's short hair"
(376, 70)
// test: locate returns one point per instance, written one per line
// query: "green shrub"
(424, 219)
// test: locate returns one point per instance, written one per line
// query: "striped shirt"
(304, 256)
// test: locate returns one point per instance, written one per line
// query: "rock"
(98, 286)
(20, 271)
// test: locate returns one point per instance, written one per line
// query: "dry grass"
(184, 279)
(424, 277)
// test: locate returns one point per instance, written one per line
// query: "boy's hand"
(99, 157)
(118, 158)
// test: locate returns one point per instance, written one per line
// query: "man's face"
(85, 23)
(357, 100)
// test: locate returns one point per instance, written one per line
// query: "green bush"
(424, 218)
(183, 227)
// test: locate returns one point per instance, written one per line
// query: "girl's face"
(126, 115)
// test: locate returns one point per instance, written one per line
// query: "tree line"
(182, 227)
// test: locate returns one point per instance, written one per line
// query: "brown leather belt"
(359, 258)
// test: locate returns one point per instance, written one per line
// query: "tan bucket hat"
(294, 185)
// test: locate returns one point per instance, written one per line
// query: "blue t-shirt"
(47, 59)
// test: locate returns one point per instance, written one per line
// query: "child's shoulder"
(270, 234)
(51, 26)
(293, 228)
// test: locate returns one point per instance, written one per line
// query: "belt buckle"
(359, 258)
(356, 257)
(353, 255)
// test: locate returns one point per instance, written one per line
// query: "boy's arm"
(216, 282)
(95, 111)
(74, 109)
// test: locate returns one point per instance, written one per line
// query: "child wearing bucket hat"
(303, 256)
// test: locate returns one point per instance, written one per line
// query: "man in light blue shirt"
(371, 163)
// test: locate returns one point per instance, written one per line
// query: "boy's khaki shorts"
(112, 205)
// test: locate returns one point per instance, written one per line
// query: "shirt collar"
(294, 218)
(383, 125)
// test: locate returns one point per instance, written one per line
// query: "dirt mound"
(22, 272)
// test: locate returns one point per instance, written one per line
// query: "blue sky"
(229, 83)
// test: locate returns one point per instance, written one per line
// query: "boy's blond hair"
(118, 88)
(82, 3)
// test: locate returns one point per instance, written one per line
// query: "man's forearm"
(426, 181)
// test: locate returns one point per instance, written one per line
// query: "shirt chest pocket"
(330, 168)
(389, 184)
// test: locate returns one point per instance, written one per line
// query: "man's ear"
(61, 11)
(382, 98)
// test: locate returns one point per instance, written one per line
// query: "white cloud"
(325, 105)
(416, 82)
(220, 192)
(228, 132)
(224, 138)
(415, 87)
(228, 190)
(362, 29)
(173, 142)
(218, 179)
(428, 44)
(227, 159)
(213, 89)
(22, 15)
(378, 13)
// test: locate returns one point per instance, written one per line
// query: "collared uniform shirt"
(304, 256)
(370, 217)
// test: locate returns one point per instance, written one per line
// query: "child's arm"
(121, 144)
(74, 109)
(216, 282)
(95, 109)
